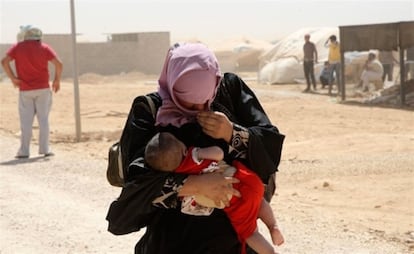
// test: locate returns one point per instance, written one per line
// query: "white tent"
(284, 62)
(239, 54)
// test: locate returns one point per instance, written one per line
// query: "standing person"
(201, 107)
(31, 57)
(372, 72)
(310, 56)
(410, 63)
(387, 60)
(334, 58)
(166, 153)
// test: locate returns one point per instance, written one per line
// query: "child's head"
(326, 63)
(164, 152)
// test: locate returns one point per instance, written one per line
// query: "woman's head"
(194, 90)
(187, 84)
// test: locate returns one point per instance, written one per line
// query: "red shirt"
(31, 61)
(242, 212)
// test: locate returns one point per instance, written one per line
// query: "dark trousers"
(324, 81)
(388, 71)
(309, 74)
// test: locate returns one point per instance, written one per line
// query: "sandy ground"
(346, 180)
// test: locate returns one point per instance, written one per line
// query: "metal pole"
(75, 72)
(402, 76)
(341, 80)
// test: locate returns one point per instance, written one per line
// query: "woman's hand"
(216, 125)
(214, 186)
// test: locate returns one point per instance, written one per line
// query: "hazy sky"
(205, 20)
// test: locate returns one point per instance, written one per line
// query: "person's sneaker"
(21, 156)
(49, 154)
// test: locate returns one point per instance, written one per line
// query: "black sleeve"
(146, 190)
(138, 130)
(240, 104)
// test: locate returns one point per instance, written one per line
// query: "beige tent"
(239, 54)
(283, 62)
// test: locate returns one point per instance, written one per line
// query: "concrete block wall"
(141, 52)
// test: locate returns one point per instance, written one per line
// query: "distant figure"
(325, 74)
(164, 152)
(372, 72)
(31, 58)
(334, 59)
(410, 63)
(310, 56)
(387, 60)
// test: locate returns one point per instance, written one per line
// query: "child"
(166, 153)
(325, 74)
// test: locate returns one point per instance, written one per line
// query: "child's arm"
(210, 153)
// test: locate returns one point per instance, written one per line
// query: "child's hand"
(277, 237)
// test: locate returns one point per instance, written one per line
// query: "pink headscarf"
(191, 73)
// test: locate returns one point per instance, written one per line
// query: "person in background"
(334, 58)
(387, 60)
(310, 56)
(325, 75)
(372, 72)
(166, 153)
(201, 107)
(31, 57)
(410, 63)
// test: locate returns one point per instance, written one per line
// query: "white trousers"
(369, 76)
(34, 102)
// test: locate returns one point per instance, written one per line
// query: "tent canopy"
(387, 36)
(406, 32)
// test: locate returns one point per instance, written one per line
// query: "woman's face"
(193, 106)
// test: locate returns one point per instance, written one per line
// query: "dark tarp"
(366, 37)
(406, 30)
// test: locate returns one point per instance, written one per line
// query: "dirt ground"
(345, 182)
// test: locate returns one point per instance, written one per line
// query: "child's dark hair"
(163, 152)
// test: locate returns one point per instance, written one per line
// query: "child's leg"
(259, 244)
(268, 218)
